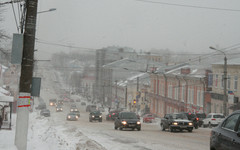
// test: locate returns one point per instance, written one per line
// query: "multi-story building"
(180, 88)
(233, 71)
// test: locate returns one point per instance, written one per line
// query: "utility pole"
(26, 75)
(225, 97)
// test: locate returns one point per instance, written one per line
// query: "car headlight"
(190, 123)
(71, 109)
(57, 109)
(124, 122)
(75, 109)
(69, 117)
(76, 116)
(175, 123)
(61, 108)
(138, 122)
(93, 116)
(100, 116)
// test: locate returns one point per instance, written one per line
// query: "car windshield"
(96, 112)
(218, 116)
(129, 116)
(179, 116)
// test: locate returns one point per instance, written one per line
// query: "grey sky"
(101, 23)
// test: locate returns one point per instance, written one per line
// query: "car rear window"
(201, 115)
(218, 116)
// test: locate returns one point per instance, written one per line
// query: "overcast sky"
(137, 24)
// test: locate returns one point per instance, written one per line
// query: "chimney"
(185, 70)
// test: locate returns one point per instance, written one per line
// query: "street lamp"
(51, 9)
(225, 81)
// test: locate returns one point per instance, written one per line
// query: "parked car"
(95, 115)
(83, 103)
(201, 117)
(148, 118)
(127, 120)
(176, 121)
(41, 106)
(213, 119)
(52, 102)
(77, 113)
(112, 115)
(91, 108)
(59, 108)
(45, 112)
(72, 116)
(226, 136)
(192, 117)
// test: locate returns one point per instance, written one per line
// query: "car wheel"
(189, 130)
(133, 128)
(171, 129)
(162, 127)
(120, 128)
(115, 127)
(139, 129)
(196, 127)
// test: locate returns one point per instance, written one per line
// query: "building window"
(229, 82)
(198, 98)
(154, 86)
(235, 82)
(202, 98)
(170, 91)
(176, 92)
(216, 81)
(183, 93)
(156, 106)
(189, 96)
(159, 88)
(192, 99)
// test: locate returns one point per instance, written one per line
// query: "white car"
(213, 119)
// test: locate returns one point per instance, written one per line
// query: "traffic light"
(134, 101)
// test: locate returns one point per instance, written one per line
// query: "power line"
(14, 13)
(190, 6)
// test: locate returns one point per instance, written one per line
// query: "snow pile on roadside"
(44, 134)
(7, 137)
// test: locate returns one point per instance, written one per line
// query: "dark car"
(192, 117)
(201, 117)
(226, 136)
(112, 115)
(77, 113)
(176, 121)
(72, 116)
(95, 115)
(127, 120)
(45, 113)
(59, 108)
(91, 108)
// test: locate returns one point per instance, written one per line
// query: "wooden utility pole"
(26, 75)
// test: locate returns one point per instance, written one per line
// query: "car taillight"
(109, 115)
(113, 114)
(197, 119)
(213, 119)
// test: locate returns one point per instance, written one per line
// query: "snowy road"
(83, 134)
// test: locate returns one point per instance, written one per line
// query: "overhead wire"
(15, 18)
(189, 6)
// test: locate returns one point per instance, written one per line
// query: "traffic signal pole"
(26, 75)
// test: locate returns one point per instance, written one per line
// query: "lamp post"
(225, 112)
